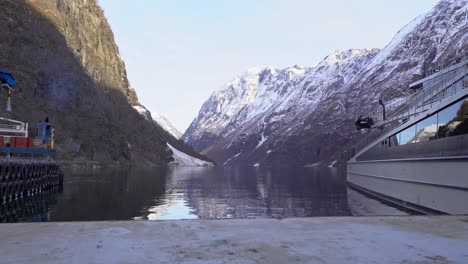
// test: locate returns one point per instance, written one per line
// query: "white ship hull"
(418, 157)
(420, 184)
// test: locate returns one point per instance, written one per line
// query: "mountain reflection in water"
(198, 192)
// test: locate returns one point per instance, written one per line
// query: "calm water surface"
(188, 193)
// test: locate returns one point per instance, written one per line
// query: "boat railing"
(13, 127)
(10, 127)
(427, 97)
(420, 102)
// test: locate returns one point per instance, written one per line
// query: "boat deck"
(395, 239)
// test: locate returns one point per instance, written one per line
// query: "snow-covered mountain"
(166, 124)
(180, 157)
(301, 115)
(160, 119)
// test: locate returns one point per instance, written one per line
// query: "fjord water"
(192, 192)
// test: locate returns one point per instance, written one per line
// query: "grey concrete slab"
(400, 239)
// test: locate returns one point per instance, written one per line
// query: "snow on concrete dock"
(399, 239)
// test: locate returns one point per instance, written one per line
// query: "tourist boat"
(418, 156)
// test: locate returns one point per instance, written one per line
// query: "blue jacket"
(6, 78)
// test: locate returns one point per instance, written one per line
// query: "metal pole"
(8, 106)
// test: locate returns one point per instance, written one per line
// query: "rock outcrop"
(90, 38)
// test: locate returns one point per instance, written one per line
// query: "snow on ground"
(184, 159)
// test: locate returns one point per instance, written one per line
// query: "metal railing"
(13, 127)
(453, 83)
(434, 94)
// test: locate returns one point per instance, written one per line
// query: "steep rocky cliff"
(89, 37)
(304, 115)
(67, 66)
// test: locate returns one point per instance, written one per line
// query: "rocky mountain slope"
(68, 68)
(304, 115)
(90, 38)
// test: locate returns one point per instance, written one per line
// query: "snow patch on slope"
(264, 138)
(233, 157)
(183, 159)
(143, 111)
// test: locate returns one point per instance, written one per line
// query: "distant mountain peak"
(338, 57)
(159, 119)
(255, 70)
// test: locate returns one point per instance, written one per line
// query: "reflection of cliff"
(425, 133)
(108, 194)
(250, 193)
(458, 125)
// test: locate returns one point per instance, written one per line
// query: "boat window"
(453, 120)
(407, 135)
(426, 129)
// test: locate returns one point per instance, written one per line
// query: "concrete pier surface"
(395, 239)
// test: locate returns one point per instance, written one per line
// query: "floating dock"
(401, 239)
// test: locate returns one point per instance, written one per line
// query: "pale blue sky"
(178, 52)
